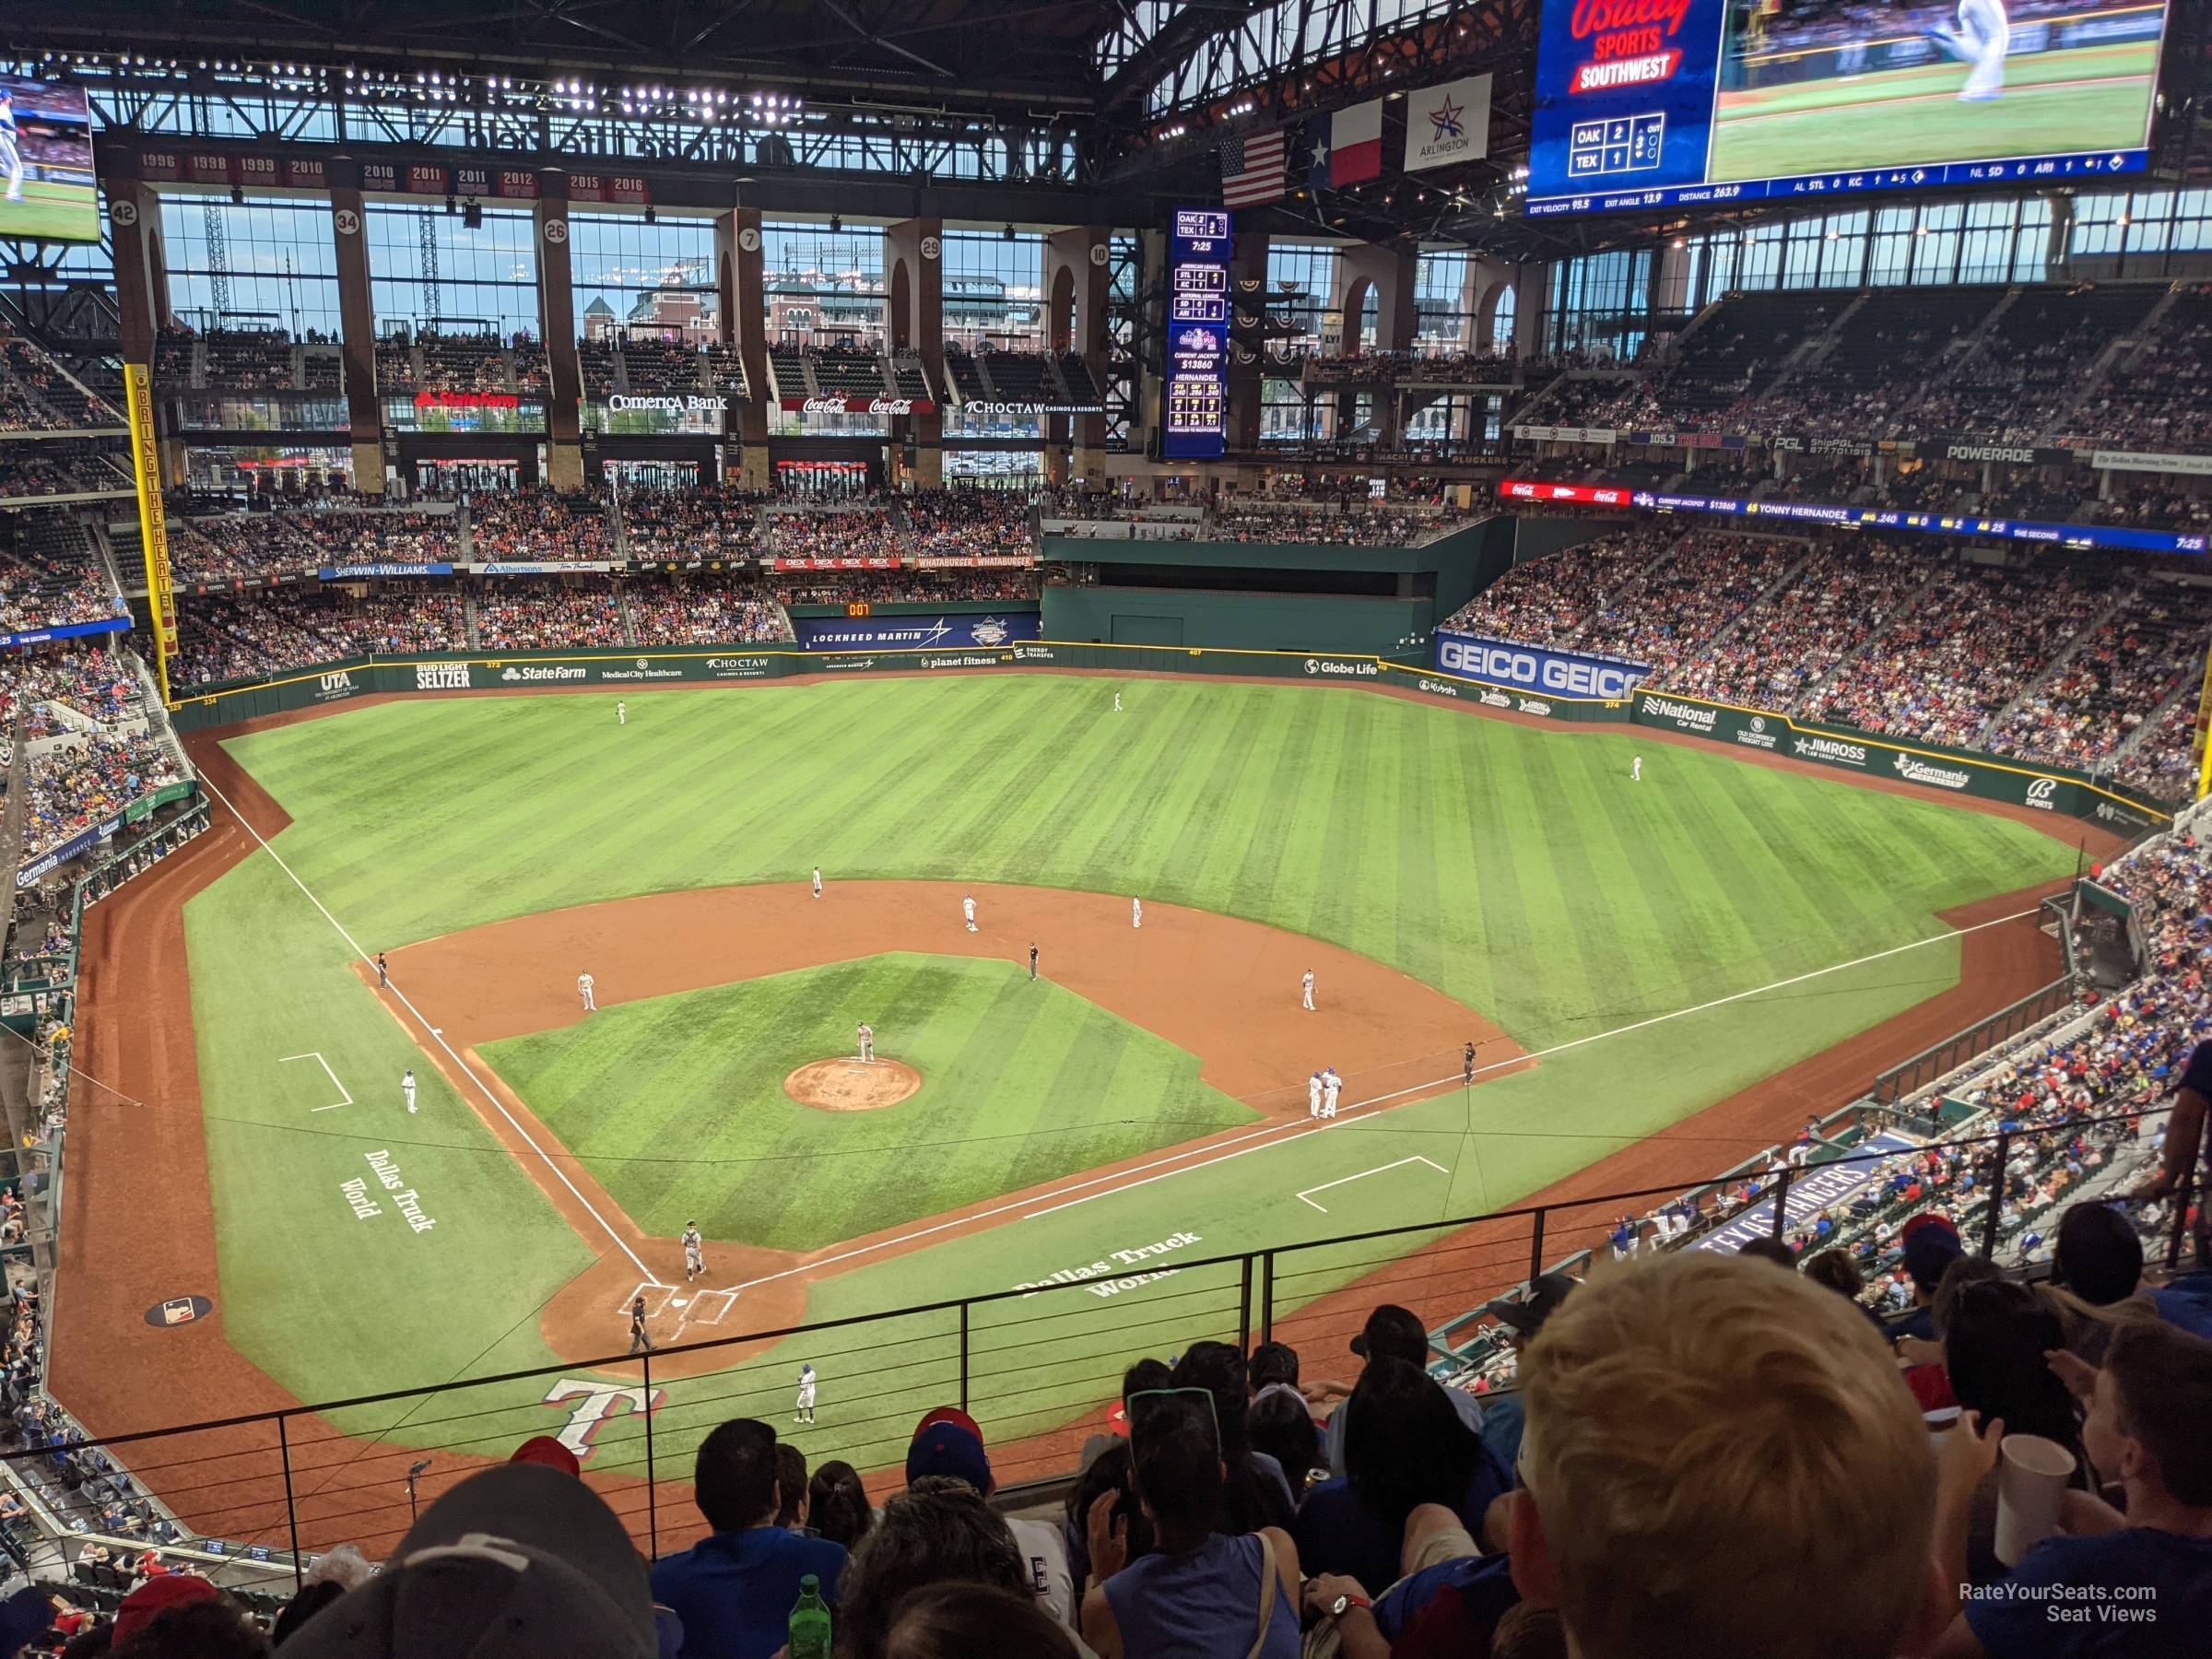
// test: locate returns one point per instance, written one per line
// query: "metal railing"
(1039, 1366)
(1962, 1048)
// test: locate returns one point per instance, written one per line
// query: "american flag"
(1252, 169)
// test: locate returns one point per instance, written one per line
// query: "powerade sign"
(916, 633)
(1561, 672)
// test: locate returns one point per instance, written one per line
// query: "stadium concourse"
(1684, 679)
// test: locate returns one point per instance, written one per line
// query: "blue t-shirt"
(1484, 1584)
(736, 1590)
(2185, 1310)
(2138, 1593)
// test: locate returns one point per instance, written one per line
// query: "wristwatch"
(1338, 1607)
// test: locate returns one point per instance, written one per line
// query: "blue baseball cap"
(946, 1449)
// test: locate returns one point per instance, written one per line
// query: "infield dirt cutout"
(850, 1084)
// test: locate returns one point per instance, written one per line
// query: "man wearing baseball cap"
(735, 1589)
(1929, 1244)
(518, 1561)
(947, 1442)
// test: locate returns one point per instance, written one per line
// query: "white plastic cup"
(2032, 1473)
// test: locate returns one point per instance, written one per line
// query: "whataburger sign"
(859, 405)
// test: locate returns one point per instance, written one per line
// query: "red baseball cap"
(949, 1414)
(544, 1449)
(170, 1590)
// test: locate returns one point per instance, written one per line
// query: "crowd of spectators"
(1845, 594)
(533, 615)
(540, 524)
(2163, 761)
(93, 682)
(862, 532)
(80, 778)
(2117, 676)
(50, 577)
(690, 524)
(1968, 646)
(904, 587)
(966, 524)
(2161, 400)
(697, 609)
(59, 468)
(1672, 616)
(37, 396)
(1546, 601)
(1352, 522)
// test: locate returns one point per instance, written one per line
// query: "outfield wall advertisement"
(1843, 749)
(924, 632)
(1534, 668)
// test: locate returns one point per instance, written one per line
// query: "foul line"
(1275, 1135)
(435, 1035)
(1378, 1170)
(345, 1096)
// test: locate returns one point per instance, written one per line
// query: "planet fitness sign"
(1562, 673)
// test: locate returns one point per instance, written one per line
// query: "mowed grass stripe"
(1022, 1082)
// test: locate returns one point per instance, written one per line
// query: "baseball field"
(1625, 954)
(2085, 99)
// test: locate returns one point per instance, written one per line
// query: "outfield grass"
(2088, 99)
(55, 212)
(1516, 870)
(677, 1103)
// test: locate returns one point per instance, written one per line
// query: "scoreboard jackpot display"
(1197, 368)
(1658, 103)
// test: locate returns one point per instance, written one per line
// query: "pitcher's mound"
(852, 1085)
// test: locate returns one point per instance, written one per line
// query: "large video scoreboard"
(1198, 366)
(1654, 103)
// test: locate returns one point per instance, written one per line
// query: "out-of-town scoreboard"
(1197, 371)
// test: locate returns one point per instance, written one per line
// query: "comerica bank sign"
(1561, 672)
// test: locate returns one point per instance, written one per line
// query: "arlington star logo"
(1444, 120)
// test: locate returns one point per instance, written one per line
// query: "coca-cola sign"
(859, 405)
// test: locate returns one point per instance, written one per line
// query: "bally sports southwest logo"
(1628, 41)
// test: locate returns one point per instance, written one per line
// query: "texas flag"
(1352, 153)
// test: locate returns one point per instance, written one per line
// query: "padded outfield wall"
(1842, 748)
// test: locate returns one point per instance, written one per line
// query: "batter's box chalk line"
(1379, 1169)
(645, 1288)
(728, 1298)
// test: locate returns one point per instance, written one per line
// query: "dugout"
(1266, 595)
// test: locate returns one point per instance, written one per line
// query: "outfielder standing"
(1636, 770)
(406, 1087)
(806, 1403)
(695, 1253)
(622, 713)
(1307, 985)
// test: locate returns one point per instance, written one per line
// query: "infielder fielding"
(584, 982)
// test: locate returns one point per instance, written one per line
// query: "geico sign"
(1526, 668)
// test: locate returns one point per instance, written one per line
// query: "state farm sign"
(859, 405)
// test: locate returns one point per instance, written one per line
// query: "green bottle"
(810, 1621)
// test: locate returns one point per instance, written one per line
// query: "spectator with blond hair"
(1711, 1448)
